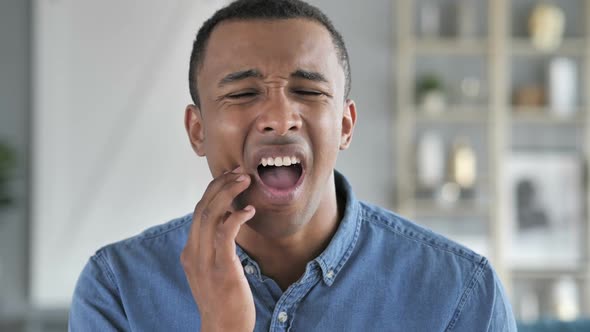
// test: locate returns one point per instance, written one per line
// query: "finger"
(224, 201)
(216, 185)
(212, 190)
(225, 241)
(214, 214)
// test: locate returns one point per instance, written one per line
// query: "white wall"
(111, 157)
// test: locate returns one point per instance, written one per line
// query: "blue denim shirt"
(380, 272)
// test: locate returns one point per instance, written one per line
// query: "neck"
(284, 258)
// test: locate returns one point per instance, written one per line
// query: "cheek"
(326, 137)
(225, 140)
(228, 128)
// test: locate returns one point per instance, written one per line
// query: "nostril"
(267, 129)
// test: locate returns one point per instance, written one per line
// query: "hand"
(209, 259)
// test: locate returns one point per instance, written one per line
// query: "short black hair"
(263, 10)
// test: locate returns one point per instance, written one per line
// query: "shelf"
(451, 46)
(462, 208)
(454, 114)
(542, 115)
(569, 47)
(35, 319)
(548, 273)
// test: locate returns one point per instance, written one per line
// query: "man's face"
(270, 91)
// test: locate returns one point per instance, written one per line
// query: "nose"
(278, 115)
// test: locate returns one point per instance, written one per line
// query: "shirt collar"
(340, 247)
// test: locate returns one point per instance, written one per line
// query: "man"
(278, 241)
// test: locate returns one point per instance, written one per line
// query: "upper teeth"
(279, 161)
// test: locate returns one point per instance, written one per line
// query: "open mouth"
(280, 173)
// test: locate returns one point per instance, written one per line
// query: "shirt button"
(330, 274)
(283, 316)
(250, 269)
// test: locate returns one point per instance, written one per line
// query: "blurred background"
(474, 120)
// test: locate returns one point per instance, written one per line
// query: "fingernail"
(241, 178)
(248, 208)
(237, 169)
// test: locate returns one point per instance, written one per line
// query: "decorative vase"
(433, 102)
(463, 167)
(430, 20)
(546, 26)
(562, 87)
(430, 161)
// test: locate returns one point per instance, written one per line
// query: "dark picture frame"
(545, 207)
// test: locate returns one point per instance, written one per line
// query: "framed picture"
(545, 210)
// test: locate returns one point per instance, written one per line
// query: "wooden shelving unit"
(450, 46)
(494, 119)
(569, 47)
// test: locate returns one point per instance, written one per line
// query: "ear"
(348, 122)
(193, 123)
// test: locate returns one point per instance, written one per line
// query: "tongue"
(279, 177)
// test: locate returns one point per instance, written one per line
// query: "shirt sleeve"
(484, 306)
(96, 304)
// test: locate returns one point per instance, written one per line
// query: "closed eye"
(308, 93)
(240, 95)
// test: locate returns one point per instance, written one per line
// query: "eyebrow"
(309, 75)
(249, 73)
(239, 75)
